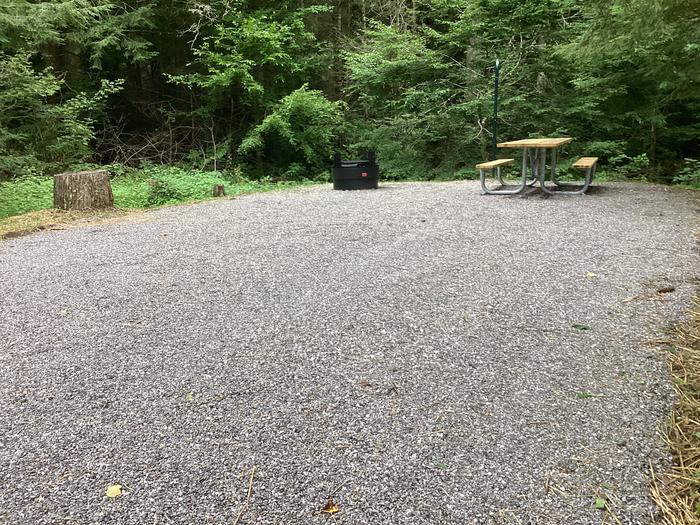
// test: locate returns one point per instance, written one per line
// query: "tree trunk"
(82, 191)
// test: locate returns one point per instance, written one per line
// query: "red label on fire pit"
(364, 173)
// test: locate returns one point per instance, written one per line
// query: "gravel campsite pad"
(417, 354)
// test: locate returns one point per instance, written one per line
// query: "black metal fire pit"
(355, 174)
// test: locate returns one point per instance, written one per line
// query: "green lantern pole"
(495, 110)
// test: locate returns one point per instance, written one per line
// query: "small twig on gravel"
(337, 488)
(633, 298)
(247, 500)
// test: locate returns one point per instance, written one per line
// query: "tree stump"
(83, 190)
(218, 190)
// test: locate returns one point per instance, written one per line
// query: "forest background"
(264, 91)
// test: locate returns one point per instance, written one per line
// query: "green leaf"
(581, 327)
(599, 503)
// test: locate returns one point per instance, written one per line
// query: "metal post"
(495, 111)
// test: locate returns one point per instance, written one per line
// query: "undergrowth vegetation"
(134, 188)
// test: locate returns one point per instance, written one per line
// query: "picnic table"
(535, 158)
(535, 164)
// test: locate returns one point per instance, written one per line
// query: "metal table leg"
(542, 167)
(552, 172)
(533, 165)
(555, 159)
(524, 169)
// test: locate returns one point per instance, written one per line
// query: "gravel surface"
(408, 352)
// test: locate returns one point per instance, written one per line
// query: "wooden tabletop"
(536, 143)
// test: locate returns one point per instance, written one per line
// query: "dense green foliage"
(270, 89)
(293, 141)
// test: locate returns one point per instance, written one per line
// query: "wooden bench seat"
(585, 162)
(494, 163)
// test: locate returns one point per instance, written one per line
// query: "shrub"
(689, 173)
(163, 192)
(296, 140)
(170, 184)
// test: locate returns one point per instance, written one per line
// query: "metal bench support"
(575, 189)
(487, 191)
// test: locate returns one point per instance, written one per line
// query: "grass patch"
(25, 194)
(26, 203)
(131, 189)
(677, 493)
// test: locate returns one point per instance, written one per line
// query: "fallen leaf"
(581, 327)
(190, 397)
(591, 275)
(599, 503)
(114, 491)
(666, 289)
(365, 384)
(331, 508)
